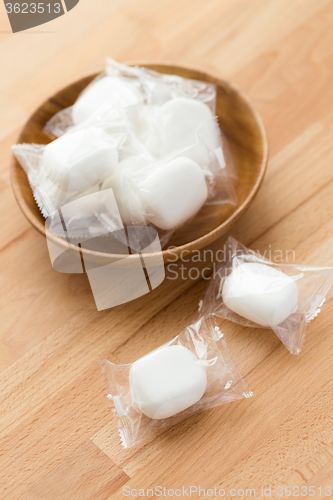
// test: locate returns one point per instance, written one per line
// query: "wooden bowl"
(243, 131)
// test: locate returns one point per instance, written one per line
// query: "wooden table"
(58, 437)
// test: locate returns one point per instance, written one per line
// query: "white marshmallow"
(109, 90)
(260, 293)
(80, 159)
(174, 193)
(167, 381)
(125, 190)
(182, 120)
(148, 129)
(131, 164)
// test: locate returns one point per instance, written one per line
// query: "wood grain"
(54, 413)
(87, 473)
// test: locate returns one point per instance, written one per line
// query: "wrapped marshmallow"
(169, 191)
(260, 293)
(180, 119)
(174, 193)
(192, 372)
(145, 126)
(167, 381)
(68, 167)
(80, 159)
(178, 124)
(110, 119)
(107, 90)
(127, 194)
(123, 87)
(165, 194)
(253, 291)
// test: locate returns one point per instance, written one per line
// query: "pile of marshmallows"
(161, 179)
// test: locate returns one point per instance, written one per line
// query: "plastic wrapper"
(163, 161)
(70, 167)
(138, 165)
(123, 87)
(115, 274)
(90, 216)
(253, 291)
(169, 191)
(177, 386)
(107, 151)
(62, 122)
(160, 87)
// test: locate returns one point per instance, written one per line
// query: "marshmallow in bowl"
(181, 121)
(126, 191)
(167, 381)
(174, 192)
(260, 293)
(132, 163)
(109, 90)
(80, 159)
(148, 131)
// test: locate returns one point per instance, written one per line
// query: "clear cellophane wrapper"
(314, 286)
(224, 383)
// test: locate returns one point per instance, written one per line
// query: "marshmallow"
(167, 381)
(131, 164)
(148, 129)
(125, 191)
(109, 90)
(174, 193)
(260, 293)
(182, 121)
(80, 159)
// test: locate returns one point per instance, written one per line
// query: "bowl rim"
(168, 254)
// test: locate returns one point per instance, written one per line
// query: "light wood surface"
(245, 148)
(57, 436)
